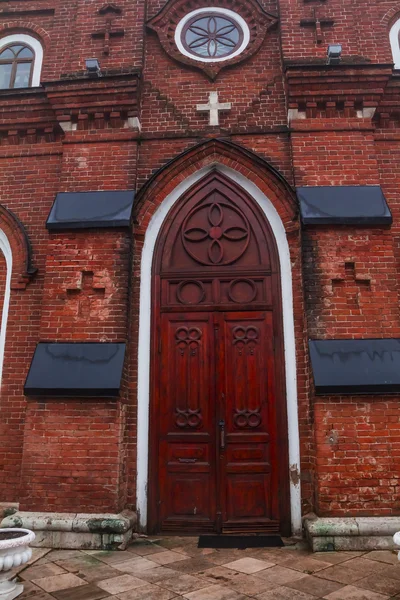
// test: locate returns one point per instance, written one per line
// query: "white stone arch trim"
(278, 229)
(394, 43)
(36, 46)
(5, 248)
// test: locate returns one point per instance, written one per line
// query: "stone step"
(326, 534)
(86, 531)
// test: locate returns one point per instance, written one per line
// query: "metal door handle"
(222, 434)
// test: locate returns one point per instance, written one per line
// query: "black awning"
(83, 210)
(356, 366)
(76, 369)
(343, 205)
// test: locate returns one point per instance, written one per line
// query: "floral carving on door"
(245, 336)
(188, 337)
(216, 233)
(188, 418)
(247, 418)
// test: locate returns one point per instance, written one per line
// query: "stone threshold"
(326, 534)
(83, 531)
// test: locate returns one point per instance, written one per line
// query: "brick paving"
(172, 568)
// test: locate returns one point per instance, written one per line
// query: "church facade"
(199, 234)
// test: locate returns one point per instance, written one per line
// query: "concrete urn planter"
(14, 552)
(396, 539)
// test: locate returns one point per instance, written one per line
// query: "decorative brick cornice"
(84, 102)
(321, 91)
(42, 114)
(165, 22)
(388, 112)
(26, 117)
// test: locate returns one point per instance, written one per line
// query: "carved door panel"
(218, 455)
(217, 422)
(186, 439)
(248, 465)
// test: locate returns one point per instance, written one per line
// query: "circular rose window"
(212, 34)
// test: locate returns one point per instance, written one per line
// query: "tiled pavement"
(174, 568)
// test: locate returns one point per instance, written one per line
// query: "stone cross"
(213, 107)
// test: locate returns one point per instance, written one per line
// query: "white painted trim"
(145, 326)
(36, 47)
(5, 248)
(394, 43)
(224, 11)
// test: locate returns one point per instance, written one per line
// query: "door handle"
(222, 434)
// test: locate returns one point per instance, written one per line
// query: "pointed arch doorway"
(218, 433)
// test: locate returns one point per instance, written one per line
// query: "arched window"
(16, 66)
(21, 58)
(395, 43)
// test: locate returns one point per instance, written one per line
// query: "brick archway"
(209, 153)
(15, 248)
(276, 199)
(14, 231)
(216, 306)
(27, 27)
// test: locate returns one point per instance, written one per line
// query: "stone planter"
(396, 539)
(14, 552)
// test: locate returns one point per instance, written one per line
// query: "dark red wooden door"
(248, 474)
(186, 439)
(217, 428)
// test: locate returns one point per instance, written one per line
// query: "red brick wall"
(328, 157)
(71, 456)
(358, 456)
(86, 291)
(80, 455)
(66, 28)
(98, 164)
(27, 187)
(360, 27)
(350, 273)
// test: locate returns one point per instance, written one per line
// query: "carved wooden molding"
(166, 21)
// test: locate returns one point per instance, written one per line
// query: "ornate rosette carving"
(209, 240)
(167, 20)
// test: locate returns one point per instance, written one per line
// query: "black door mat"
(240, 541)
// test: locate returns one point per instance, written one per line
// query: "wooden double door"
(218, 454)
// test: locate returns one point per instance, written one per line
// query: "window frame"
(210, 15)
(34, 44)
(217, 11)
(15, 61)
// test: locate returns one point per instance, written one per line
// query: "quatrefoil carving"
(207, 238)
